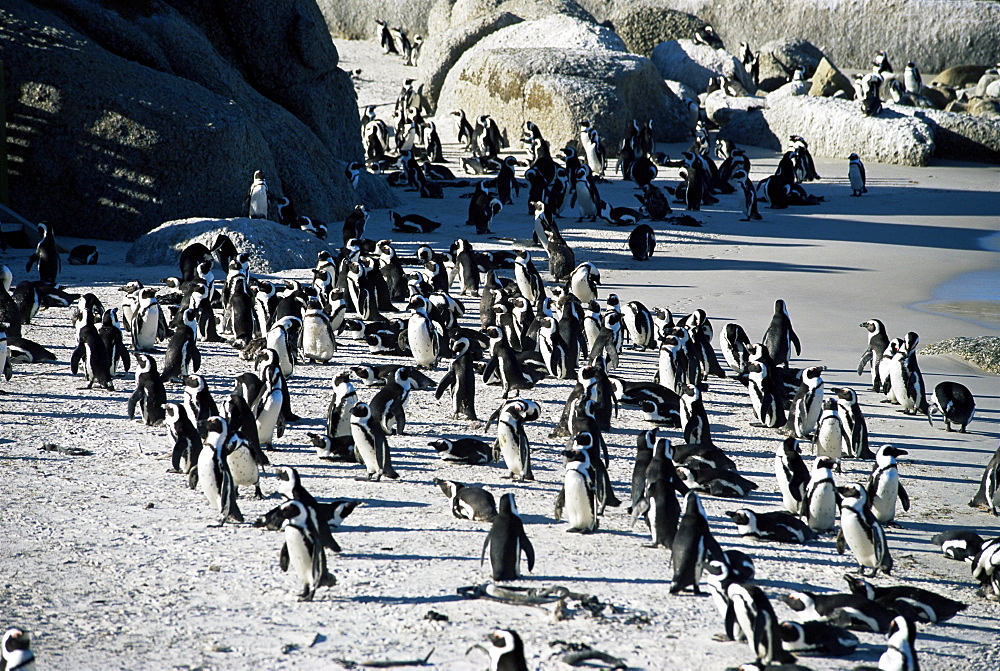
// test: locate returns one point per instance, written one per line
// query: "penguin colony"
(531, 329)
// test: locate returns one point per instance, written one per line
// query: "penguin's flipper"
(560, 503)
(641, 507)
(195, 358)
(866, 358)
(482, 556)
(489, 370)
(794, 339)
(133, 400)
(74, 360)
(446, 383)
(283, 557)
(529, 550)
(841, 541)
(904, 498)
(178, 452)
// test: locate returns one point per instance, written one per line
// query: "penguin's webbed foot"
(257, 494)
(893, 524)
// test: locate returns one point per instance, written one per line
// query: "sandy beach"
(110, 563)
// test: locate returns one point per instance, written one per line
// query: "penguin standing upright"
(693, 546)
(642, 242)
(901, 646)
(862, 532)
(149, 324)
(257, 198)
(149, 393)
(856, 175)
(512, 441)
(792, 475)
(46, 255)
(765, 395)
(884, 486)
(819, 508)
(422, 334)
(780, 337)
(214, 477)
(804, 413)
(578, 495)
(755, 615)
(187, 441)
(878, 342)
(303, 549)
(338, 412)
(91, 352)
(268, 407)
(370, 443)
(319, 339)
(182, 355)
(831, 432)
(461, 379)
(114, 343)
(506, 541)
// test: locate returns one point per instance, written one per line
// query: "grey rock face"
(695, 64)
(157, 111)
(556, 72)
(643, 25)
(355, 19)
(272, 247)
(961, 137)
(851, 31)
(837, 128)
(780, 58)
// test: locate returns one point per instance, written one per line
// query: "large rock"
(960, 76)
(780, 58)
(722, 109)
(829, 81)
(643, 25)
(960, 137)
(837, 128)
(932, 33)
(355, 19)
(446, 14)
(556, 72)
(442, 50)
(118, 119)
(272, 247)
(695, 64)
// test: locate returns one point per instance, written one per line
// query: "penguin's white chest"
(267, 420)
(884, 499)
(299, 556)
(830, 438)
(822, 507)
(243, 467)
(579, 507)
(150, 325)
(365, 447)
(510, 448)
(316, 341)
(858, 537)
(258, 201)
(206, 478)
(423, 340)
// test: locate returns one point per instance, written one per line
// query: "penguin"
(716, 481)
(928, 606)
(884, 486)
(463, 450)
(778, 526)
(756, 617)
(912, 80)
(319, 338)
(149, 324)
(862, 532)
(268, 407)
(505, 364)
(792, 474)
(198, 402)
(506, 541)
(906, 379)
(885, 366)
(780, 337)
(214, 477)
(878, 342)
(747, 195)
(856, 175)
(694, 417)
(257, 197)
(422, 334)
(658, 502)
(46, 255)
(111, 333)
(956, 403)
(855, 438)
(831, 433)
(693, 546)
(901, 646)
(578, 497)
(764, 389)
(461, 379)
(283, 339)
(303, 550)
(22, 350)
(187, 442)
(506, 651)
(370, 444)
(817, 637)
(819, 507)
(15, 651)
(642, 242)
(639, 322)
(718, 580)
(468, 503)
(806, 407)
(512, 442)
(182, 355)
(149, 393)
(90, 350)
(986, 569)
(959, 544)
(388, 406)
(583, 282)
(847, 610)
